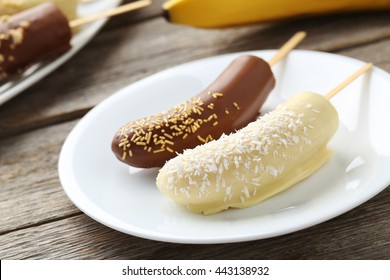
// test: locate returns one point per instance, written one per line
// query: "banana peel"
(224, 13)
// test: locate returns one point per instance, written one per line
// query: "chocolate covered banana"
(10, 7)
(262, 159)
(232, 101)
(32, 35)
(43, 32)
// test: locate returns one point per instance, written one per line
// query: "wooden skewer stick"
(348, 80)
(118, 10)
(287, 47)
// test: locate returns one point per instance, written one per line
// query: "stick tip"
(349, 80)
(369, 65)
(301, 34)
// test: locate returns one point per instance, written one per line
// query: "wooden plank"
(154, 10)
(357, 234)
(124, 53)
(30, 188)
(378, 53)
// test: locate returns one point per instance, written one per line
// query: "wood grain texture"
(125, 53)
(151, 11)
(378, 53)
(30, 189)
(355, 235)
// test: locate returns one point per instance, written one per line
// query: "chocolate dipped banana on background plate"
(32, 35)
(41, 32)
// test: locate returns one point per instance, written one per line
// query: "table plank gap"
(358, 44)
(46, 122)
(41, 223)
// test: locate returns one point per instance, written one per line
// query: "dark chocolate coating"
(231, 102)
(166, 15)
(32, 35)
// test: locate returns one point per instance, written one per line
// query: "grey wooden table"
(37, 220)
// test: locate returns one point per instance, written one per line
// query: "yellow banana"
(222, 13)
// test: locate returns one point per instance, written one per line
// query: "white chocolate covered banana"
(262, 159)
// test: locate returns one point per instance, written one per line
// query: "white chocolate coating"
(262, 159)
(10, 7)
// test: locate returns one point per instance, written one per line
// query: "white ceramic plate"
(37, 72)
(128, 200)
